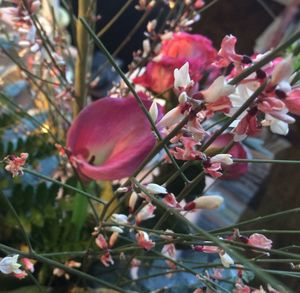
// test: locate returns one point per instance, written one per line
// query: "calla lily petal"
(110, 138)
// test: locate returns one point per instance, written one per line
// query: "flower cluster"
(9, 265)
(14, 164)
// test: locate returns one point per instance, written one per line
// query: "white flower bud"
(153, 111)
(156, 189)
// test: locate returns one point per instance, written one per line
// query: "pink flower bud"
(260, 241)
(147, 212)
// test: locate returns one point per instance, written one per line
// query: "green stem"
(81, 67)
(114, 19)
(257, 220)
(67, 186)
(274, 53)
(131, 88)
(260, 161)
(258, 271)
(56, 264)
(14, 212)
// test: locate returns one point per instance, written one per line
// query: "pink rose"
(175, 52)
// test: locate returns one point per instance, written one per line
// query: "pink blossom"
(206, 249)
(21, 275)
(240, 288)
(247, 125)
(199, 3)
(27, 264)
(101, 242)
(147, 212)
(110, 138)
(292, 101)
(260, 241)
(144, 241)
(237, 151)
(15, 164)
(106, 259)
(270, 104)
(213, 170)
(169, 250)
(227, 52)
(188, 151)
(170, 200)
(60, 272)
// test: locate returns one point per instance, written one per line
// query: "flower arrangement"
(106, 193)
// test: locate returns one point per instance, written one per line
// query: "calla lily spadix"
(110, 138)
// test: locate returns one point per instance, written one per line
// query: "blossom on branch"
(15, 164)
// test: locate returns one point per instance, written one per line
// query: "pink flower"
(239, 288)
(188, 151)
(110, 138)
(237, 151)
(213, 170)
(260, 241)
(147, 212)
(144, 241)
(175, 52)
(270, 104)
(101, 242)
(193, 48)
(207, 249)
(106, 259)
(60, 272)
(27, 264)
(158, 76)
(199, 3)
(292, 101)
(15, 164)
(247, 125)
(170, 200)
(227, 52)
(169, 250)
(21, 275)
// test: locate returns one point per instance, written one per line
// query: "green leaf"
(79, 215)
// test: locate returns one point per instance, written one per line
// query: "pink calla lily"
(110, 138)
